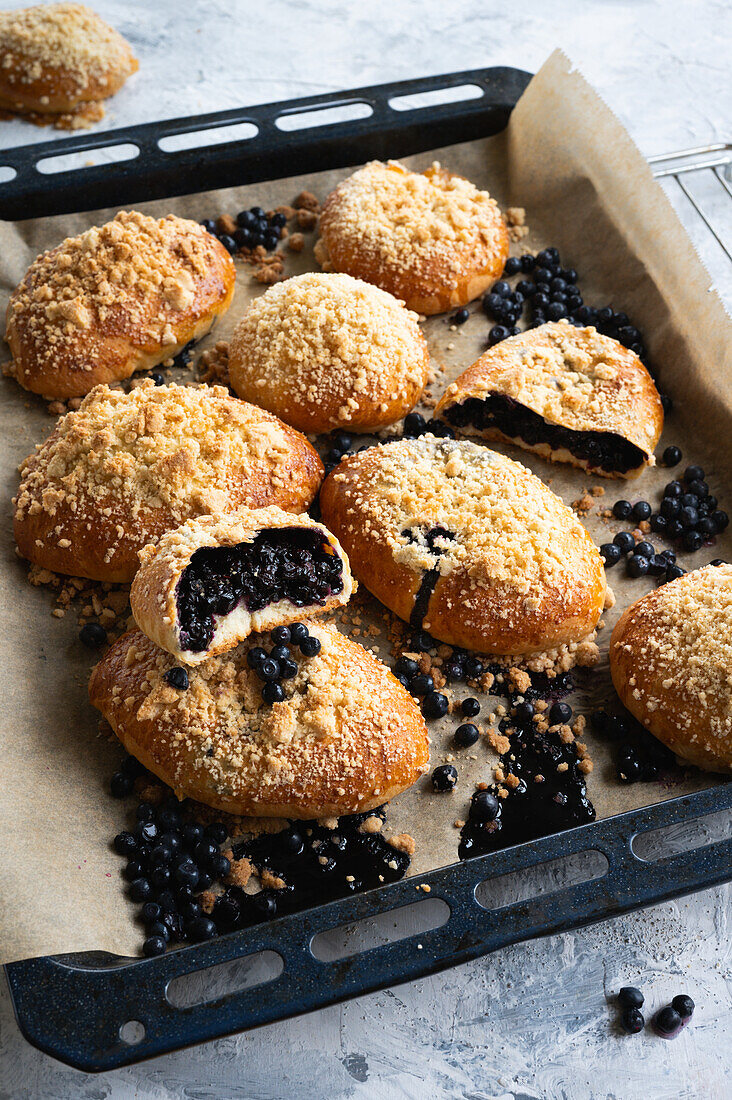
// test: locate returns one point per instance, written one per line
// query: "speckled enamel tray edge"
(79, 1007)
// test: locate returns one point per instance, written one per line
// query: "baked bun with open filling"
(60, 60)
(119, 298)
(346, 737)
(463, 542)
(432, 239)
(127, 467)
(210, 583)
(328, 351)
(569, 394)
(671, 664)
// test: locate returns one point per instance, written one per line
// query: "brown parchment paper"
(586, 189)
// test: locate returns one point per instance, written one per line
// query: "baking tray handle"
(97, 1011)
(274, 140)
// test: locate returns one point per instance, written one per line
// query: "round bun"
(432, 239)
(346, 738)
(119, 298)
(671, 664)
(264, 567)
(126, 467)
(329, 351)
(467, 544)
(55, 58)
(569, 394)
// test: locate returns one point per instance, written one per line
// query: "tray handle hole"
(543, 878)
(436, 97)
(324, 116)
(379, 930)
(213, 135)
(7, 173)
(132, 1033)
(202, 986)
(87, 158)
(683, 837)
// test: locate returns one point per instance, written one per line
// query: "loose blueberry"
(466, 735)
(684, 1006)
(121, 785)
(484, 806)
(470, 707)
(186, 873)
(281, 635)
(637, 566)
(177, 677)
(434, 705)
(444, 778)
(625, 541)
(513, 266)
(310, 646)
(298, 633)
(140, 889)
(216, 832)
(668, 1023)
(154, 945)
(406, 666)
(630, 997)
(693, 473)
(611, 554)
(150, 912)
(497, 334)
(632, 1020)
(461, 316)
(414, 425)
(560, 714)
(622, 509)
(641, 510)
(273, 693)
(201, 928)
(692, 540)
(645, 549)
(125, 844)
(422, 684)
(524, 712)
(92, 635)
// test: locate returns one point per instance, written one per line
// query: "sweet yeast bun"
(671, 664)
(56, 58)
(119, 298)
(430, 238)
(329, 351)
(213, 581)
(463, 542)
(569, 394)
(126, 467)
(346, 738)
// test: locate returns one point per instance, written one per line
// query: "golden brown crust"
(329, 351)
(347, 737)
(119, 298)
(671, 664)
(519, 575)
(57, 57)
(125, 468)
(154, 599)
(572, 377)
(431, 239)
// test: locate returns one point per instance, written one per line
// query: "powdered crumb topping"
(132, 280)
(574, 377)
(173, 450)
(331, 339)
(66, 38)
(409, 219)
(507, 526)
(680, 641)
(342, 725)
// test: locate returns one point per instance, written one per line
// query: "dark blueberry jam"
(601, 450)
(532, 809)
(292, 563)
(431, 576)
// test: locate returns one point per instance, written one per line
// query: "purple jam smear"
(601, 450)
(290, 563)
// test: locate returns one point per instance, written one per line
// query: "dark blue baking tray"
(94, 1010)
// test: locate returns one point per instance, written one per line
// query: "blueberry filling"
(431, 576)
(291, 563)
(533, 808)
(601, 450)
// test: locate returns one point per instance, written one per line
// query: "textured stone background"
(532, 1021)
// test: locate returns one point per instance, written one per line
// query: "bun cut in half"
(209, 584)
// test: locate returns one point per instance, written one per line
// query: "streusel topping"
(319, 337)
(504, 524)
(63, 37)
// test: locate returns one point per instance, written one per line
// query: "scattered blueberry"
(310, 646)
(461, 316)
(625, 541)
(92, 635)
(611, 554)
(466, 734)
(444, 778)
(154, 945)
(434, 705)
(667, 1023)
(642, 510)
(622, 509)
(484, 806)
(684, 1005)
(273, 693)
(632, 1020)
(177, 677)
(630, 997)
(121, 784)
(560, 714)
(470, 707)
(422, 684)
